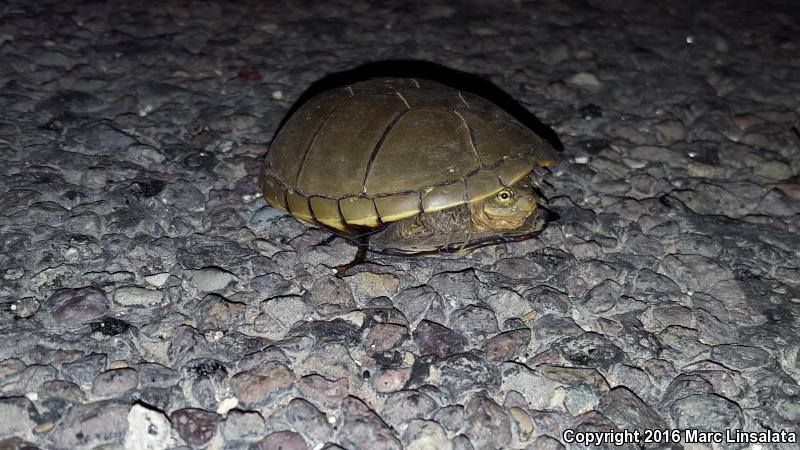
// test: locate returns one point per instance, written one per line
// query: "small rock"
(243, 425)
(706, 412)
(195, 426)
(419, 302)
(403, 406)
(257, 386)
(115, 382)
(15, 416)
(425, 435)
(474, 322)
(522, 420)
(25, 307)
(507, 304)
(91, 425)
(584, 80)
(331, 295)
(488, 426)
(740, 357)
(507, 345)
(137, 296)
(281, 440)
(322, 390)
(384, 336)
(279, 314)
(627, 410)
(75, 306)
(368, 285)
(215, 312)
(210, 279)
(435, 339)
(390, 380)
(85, 369)
(148, 429)
(301, 415)
(670, 131)
(362, 429)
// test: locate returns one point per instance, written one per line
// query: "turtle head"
(507, 210)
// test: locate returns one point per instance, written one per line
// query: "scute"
(386, 149)
(426, 147)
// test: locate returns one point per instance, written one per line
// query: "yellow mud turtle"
(408, 165)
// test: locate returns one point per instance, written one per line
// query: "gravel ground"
(151, 300)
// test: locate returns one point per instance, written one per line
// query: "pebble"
(25, 307)
(215, 312)
(137, 296)
(706, 411)
(195, 426)
(326, 392)
(390, 380)
(403, 406)
(148, 429)
(506, 346)
(283, 440)
(70, 307)
(420, 302)
(474, 322)
(367, 285)
(91, 425)
(279, 314)
(488, 426)
(114, 382)
(243, 425)
(16, 416)
(424, 435)
(258, 386)
(362, 429)
(85, 369)
(584, 80)
(384, 336)
(210, 279)
(301, 415)
(435, 339)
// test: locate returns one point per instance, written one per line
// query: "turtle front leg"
(360, 258)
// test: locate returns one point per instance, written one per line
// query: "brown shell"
(387, 149)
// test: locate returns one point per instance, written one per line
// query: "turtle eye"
(505, 197)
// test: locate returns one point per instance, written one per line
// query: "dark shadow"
(449, 77)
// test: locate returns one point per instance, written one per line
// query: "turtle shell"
(386, 149)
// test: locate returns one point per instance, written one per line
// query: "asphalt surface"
(150, 298)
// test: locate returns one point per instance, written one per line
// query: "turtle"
(408, 166)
